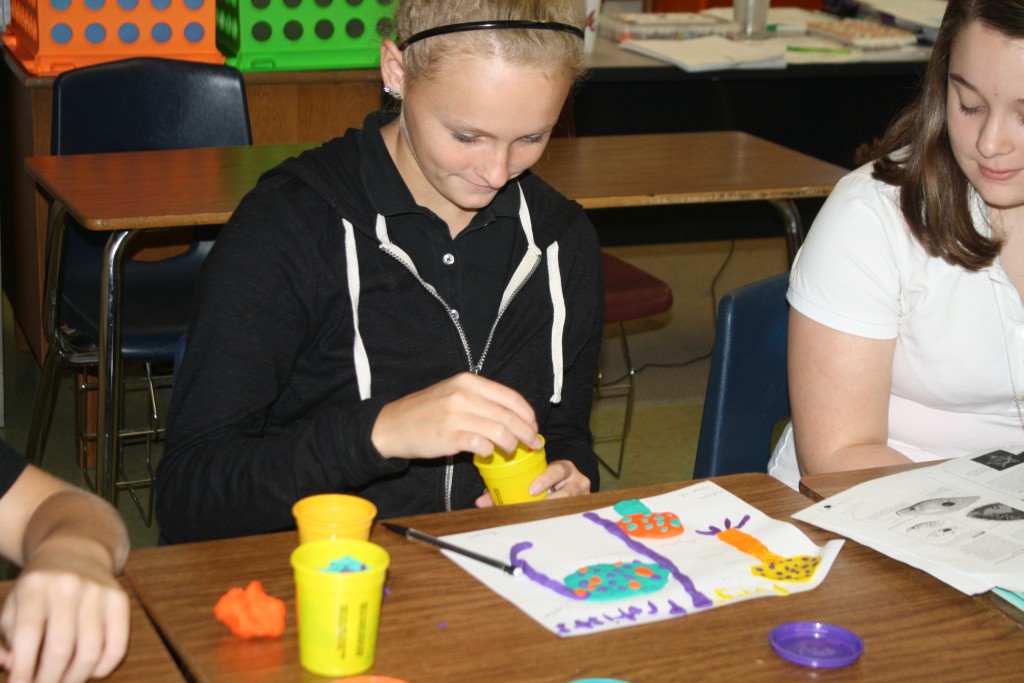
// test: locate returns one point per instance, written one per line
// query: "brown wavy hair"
(550, 49)
(934, 192)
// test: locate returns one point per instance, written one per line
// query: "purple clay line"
(714, 530)
(536, 576)
(699, 599)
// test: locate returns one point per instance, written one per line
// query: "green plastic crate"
(299, 35)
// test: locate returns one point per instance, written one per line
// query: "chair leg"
(628, 420)
(42, 413)
(630, 397)
(152, 433)
(86, 387)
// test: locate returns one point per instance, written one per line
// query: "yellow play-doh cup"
(508, 476)
(333, 516)
(339, 585)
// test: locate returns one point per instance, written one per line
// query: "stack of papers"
(867, 35)
(780, 19)
(962, 520)
(920, 16)
(712, 53)
(657, 26)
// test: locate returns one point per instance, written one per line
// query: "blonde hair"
(552, 50)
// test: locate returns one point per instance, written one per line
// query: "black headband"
(493, 24)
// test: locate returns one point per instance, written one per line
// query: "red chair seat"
(631, 293)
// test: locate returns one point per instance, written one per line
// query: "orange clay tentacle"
(746, 543)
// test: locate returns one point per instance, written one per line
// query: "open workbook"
(960, 520)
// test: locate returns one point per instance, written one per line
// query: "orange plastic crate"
(51, 36)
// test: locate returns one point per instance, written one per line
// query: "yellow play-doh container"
(339, 585)
(508, 476)
(333, 516)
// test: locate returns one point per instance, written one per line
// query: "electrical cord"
(714, 319)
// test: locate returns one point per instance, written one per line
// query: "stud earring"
(394, 93)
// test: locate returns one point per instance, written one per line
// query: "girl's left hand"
(561, 478)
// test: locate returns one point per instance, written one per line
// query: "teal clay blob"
(617, 581)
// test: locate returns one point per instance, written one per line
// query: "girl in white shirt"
(907, 326)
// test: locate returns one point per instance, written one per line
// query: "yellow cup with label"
(339, 586)
(333, 516)
(508, 475)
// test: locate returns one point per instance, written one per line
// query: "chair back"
(137, 105)
(179, 356)
(748, 392)
(148, 103)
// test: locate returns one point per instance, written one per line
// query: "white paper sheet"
(961, 520)
(712, 53)
(698, 569)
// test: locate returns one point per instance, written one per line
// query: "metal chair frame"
(654, 297)
(220, 116)
(625, 387)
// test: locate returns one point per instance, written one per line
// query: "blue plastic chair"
(748, 392)
(130, 105)
(179, 355)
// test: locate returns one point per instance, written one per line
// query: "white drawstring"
(557, 322)
(362, 362)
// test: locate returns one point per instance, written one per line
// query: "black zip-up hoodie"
(308, 320)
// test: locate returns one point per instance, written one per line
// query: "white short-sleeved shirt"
(860, 271)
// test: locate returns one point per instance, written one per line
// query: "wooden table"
(284, 107)
(127, 192)
(439, 624)
(147, 659)
(821, 486)
(614, 171)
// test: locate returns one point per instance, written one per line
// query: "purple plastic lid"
(812, 643)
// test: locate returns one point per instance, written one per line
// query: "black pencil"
(432, 540)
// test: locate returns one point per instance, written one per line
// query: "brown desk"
(613, 171)
(821, 486)
(441, 625)
(125, 193)
(147, 659)
(284, 107)
(132, 190)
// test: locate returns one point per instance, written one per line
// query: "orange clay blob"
(637, 520)
(251, 613)
(799, 569)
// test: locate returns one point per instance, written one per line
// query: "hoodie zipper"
(501, 312)
(475, 368)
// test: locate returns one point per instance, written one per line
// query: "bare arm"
(839, 386)
(67, 614)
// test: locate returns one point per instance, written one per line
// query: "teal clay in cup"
(508, 476)
(338, 612)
